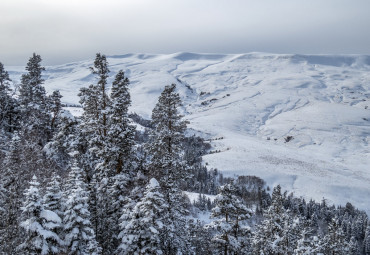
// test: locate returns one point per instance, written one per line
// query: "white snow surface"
(193, 196)
(253, 101)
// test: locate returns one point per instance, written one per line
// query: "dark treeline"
(95, 184)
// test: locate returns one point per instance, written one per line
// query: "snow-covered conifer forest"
(186, 154)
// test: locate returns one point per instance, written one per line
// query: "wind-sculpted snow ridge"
(299, 120)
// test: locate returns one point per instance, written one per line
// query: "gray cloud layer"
(68, 30)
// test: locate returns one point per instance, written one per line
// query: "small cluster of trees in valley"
(95, 184)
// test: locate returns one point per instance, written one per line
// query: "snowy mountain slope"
(254, 102)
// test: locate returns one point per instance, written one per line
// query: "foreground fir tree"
(34, 104)
(12, 184)
(8, 105)
(334, 242)
(64, 141)
(117, 164)
(93, 147)
(367, 240)
(55, 107)
(53, 201)
(231, 234)
(39, 237)
(79, 235)
(271, 236)
(165, 141)
(95, 103)
(120, 138)
(166, 165)
(141, 232)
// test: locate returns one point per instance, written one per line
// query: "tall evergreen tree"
(55, 107)
(166, 165)
(53, 201)
(231, 234)
(270, 237)
(39, 238)
(334, 242)
(79, 235)
(367, 240)
(165, 140)
(120, 138)
(31, 89)
(12, 183)
(65, 140)
(141, 232)
(95, 103)
(34, 105)
(8, 105)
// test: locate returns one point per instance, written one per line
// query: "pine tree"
(8, 105)
(53, 201)
(79, 235)
(95, 103)
(31, 90)
(12, 183)
(334, 242)
(3, 215)
(305, 244)
(117, 159)
(141, 233)
(118, 194)
(120, 138)
(230, 212)
(270, 236)
(64, 141)
(367, 240)
(165, 141)
(55, 107)
(353, 247)
(38, 239)
(34, 105)
(200, 238)
(166, 165)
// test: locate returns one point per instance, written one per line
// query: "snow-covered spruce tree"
(118, 198)
(120, 137)
(8, 105)
(39, 237)
(270, 236)
(55, 106)
(165, 140)
(231, 235)
(34, 106)
(79, 235)
(367, 240)
(3, 216)
(334, 242)
(95, 103)
(92, 142)
(117, 160)
(353, 247)
(64, 141)
(305, 244)
(53, 201)
(165, 164)
(12, 182)
(200, 238)
(141, 233)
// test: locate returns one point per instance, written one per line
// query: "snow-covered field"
(252, 103)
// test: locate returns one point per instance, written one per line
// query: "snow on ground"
(254, 102)
(194, 196)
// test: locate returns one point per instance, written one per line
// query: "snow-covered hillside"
(252, 103)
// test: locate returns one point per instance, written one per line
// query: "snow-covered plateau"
(299, 120)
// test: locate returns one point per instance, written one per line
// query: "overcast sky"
(67, 30)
